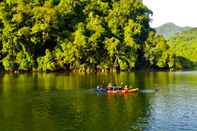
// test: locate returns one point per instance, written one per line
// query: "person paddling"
(109, 86)
(101, 85)
(121, 86)
(126, 89)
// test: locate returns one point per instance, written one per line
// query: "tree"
(80, 35)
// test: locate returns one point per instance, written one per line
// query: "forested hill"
(79, 35)
(170, 29)
(185, 46)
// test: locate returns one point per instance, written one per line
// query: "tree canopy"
(84, 35)
(184, 45)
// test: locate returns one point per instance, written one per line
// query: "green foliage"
(66, 55)
(78, 35)
(184, 46)
(46, 63)
(25, 61)
(157, 52)
(9, 63)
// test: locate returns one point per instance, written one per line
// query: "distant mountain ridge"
(170, 29)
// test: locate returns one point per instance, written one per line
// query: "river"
(68, 102)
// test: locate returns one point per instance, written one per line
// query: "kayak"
(133, 90)
(123, 91)
(105, 90)
(101, 90)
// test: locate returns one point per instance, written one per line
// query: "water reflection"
(58, 102)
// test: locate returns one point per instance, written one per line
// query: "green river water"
(68, 102)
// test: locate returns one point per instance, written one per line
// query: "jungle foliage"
(184, 46)
(79, 35)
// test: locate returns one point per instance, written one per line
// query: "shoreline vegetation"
(80, 36)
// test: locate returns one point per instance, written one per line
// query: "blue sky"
(180, 12)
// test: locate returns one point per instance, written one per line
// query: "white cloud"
(180, 12)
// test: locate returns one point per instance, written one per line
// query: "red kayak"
(123, 91)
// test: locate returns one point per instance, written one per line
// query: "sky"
(180, 12)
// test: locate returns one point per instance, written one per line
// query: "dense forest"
(80, 35)
(184, 45)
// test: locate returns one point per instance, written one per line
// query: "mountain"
(170, 29)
